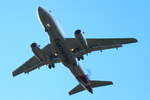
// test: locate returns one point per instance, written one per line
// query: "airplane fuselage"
(62, 50)
(68, 51)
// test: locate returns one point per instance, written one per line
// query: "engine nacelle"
(37, 52)
(79, 36)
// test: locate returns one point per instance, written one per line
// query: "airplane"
(68, 51)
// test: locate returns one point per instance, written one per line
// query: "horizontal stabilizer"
(100, 83)
(94, 84)
(77, 89)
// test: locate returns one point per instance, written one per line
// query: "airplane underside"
(68, 51)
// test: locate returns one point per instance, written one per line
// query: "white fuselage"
(61, 49)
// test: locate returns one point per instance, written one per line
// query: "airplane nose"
(44, 17)
(40, 9)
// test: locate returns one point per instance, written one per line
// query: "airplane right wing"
(34, 63)
(97, 44)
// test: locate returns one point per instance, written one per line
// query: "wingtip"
(111, 83)
(135, 40)
(13, 74)
(132, 40)
(70, 93)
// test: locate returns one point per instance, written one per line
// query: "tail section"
(93, 83)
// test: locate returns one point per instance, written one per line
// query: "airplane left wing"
(34, 63)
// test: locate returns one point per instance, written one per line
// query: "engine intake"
(79, 36)
(33, 45)
(38, 52)
(78, 31)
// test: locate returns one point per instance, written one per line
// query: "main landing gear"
(80, 58)
(51, 66)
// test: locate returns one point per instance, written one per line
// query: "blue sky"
(128, 67)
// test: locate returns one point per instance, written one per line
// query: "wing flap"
(85, 51)
(109, 41)
(55, 60)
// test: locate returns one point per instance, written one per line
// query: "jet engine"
(79, 36)
(37, 52)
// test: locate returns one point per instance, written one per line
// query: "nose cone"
(43, 15)
(40, 10)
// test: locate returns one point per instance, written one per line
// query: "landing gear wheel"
(51, 66)
(78, 58)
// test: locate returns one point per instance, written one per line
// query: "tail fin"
(94, 84)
